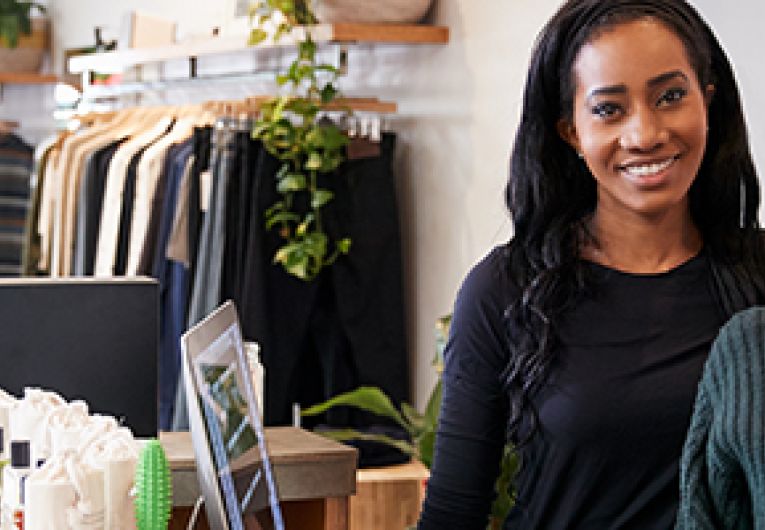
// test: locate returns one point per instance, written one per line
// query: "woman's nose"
(643, 131)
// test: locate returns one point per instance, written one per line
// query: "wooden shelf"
(117, 61)
(390, 33)
(26, 78)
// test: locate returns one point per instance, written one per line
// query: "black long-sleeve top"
(613, 413)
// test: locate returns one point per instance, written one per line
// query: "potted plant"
(307, 147)
(421, 428)
(370, 11)
(23, 38)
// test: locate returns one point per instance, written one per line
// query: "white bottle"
(14, 476)
(252, 349)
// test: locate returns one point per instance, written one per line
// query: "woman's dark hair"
(550, 191)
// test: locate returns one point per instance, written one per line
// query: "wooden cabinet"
(315, 477)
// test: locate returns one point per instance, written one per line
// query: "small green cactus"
(154, 491)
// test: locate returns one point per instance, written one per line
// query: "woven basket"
(370, 11)
(28, 55)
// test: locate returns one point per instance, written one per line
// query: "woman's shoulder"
(486, 291)
(478, 343)
(489, 279)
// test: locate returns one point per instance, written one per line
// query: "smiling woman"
(582, 340)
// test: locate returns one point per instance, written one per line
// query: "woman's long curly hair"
(550, 192)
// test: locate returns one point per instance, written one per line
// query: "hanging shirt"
(31, 251)
(89, 202)
(108, 236)
(15, 174)
(147, 177)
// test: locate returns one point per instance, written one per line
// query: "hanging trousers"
(345, 328)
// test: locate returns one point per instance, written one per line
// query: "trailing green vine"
(308, 148)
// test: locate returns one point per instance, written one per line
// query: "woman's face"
(639, 118)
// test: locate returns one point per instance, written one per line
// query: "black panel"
(90, 340)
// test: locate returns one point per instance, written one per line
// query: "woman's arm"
(471, 432)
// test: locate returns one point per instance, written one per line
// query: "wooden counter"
(314, 475)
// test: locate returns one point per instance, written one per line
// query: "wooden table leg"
(336, 513)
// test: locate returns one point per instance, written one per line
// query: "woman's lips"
(651, 174)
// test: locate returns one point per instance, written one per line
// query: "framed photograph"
(233, 466)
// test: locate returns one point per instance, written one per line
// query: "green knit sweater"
(722, 470)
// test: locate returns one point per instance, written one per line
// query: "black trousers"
(345, 328)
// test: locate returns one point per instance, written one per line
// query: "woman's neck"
(641, 244)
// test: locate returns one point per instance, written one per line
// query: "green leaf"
(307, 50)
(292, 182)
(433, 407)
(257, 36)
(260, 129)
(315, 245)
(305, 71)
(281, 30)
(284, 131)
(320, 197)
(303, 227)
(328, 93)
(370, 399)
(282, 79)
(314, 161)
(425, 447)
(327, 68)
(278, 109)
(343, 245)
(277, 207)
(343, 435)
(414, 418)
(285, 6)
(298, 267)
(283, 253)
(303, 107)
(503, 487)
(334, 138)
(282, 217)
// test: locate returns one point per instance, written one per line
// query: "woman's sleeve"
(471, 432)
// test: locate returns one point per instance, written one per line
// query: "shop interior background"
(458, 109)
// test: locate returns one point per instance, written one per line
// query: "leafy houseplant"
(307, 148)
(15, 21)
(421, 427)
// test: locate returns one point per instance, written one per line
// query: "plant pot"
(370, 11)
(28, 55)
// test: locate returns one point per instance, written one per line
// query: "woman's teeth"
(649, 169)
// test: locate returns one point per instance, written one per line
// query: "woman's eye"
(671, 96)
(606, 110)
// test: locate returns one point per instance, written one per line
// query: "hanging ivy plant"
(289, 130)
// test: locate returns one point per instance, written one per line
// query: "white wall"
(738, 26)
(459, 107)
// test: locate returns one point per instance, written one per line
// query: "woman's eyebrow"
(667, 76)
(622, 89)
(606, 91)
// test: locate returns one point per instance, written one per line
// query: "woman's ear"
(567, 131)
(709, 93)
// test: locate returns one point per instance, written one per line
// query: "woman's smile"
(649, 173)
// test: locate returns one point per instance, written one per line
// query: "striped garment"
(15, 171)
(722, 470)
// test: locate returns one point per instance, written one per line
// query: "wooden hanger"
(8, 126)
